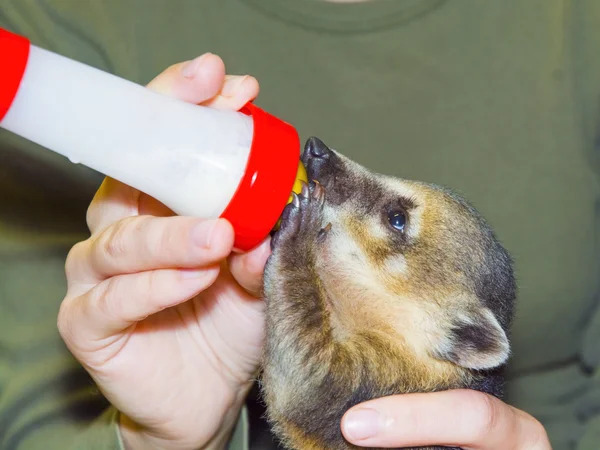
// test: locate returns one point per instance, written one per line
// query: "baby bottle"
(202, 162)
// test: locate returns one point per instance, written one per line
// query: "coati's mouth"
(304, 213)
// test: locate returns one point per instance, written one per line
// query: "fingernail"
(190, 68)
(230, 88)
(362, 424)
(207, 232)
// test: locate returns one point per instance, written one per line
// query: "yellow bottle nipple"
(301, 175)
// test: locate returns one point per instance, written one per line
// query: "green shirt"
(498, 100)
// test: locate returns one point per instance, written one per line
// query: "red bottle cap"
(14, 53)
(268, 181)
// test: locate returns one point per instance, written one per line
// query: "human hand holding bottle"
(164, 319)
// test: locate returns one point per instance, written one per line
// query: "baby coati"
(377, 286)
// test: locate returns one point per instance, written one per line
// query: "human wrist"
(135, 436)
(234, 421)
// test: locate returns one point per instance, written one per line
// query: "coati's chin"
(377, 286)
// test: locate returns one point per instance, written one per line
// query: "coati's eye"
(397, 220)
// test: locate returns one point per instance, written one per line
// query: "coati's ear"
(476, 341)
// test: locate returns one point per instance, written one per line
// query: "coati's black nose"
(316, 148)
(319, 160)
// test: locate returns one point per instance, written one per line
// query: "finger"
(194, 81)
(236, 92)
(203, 81)
(119, 302)
(149, 206)
(113, 201)
(458, 418)
(247, 268)
(145, 243)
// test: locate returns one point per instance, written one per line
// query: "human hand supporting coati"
(459, 418)
(377, 287)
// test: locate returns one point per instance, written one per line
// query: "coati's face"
(412, 262)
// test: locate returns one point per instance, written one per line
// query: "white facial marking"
(396, 265)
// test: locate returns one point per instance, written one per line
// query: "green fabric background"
(498, 100)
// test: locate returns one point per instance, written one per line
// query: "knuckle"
(113, 242)
(165, 238)
(94, 211)
(173, 68)
(159, 238)
(153, 288)
(64, 321)
(485, 415)
(90, 216)
(61, 320)
(74, 258)
(104, 297)
(537, 436)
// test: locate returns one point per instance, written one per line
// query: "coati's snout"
(328, 168)
(319, 160)
(378, 285)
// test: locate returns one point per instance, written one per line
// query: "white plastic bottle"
(196, 160)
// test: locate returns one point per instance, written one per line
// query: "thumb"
(203, 81)
(458, 418)
(194, 81)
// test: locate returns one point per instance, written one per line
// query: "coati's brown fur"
(361, 304)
